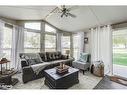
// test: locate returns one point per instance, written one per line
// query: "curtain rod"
(98, 26)
(119, 23)
(112, 24)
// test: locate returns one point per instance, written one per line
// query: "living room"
(52, 47)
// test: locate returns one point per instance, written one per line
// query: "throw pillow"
(37, 60)
(83, 57)
(31, 61)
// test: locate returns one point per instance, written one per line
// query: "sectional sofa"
(34, 64)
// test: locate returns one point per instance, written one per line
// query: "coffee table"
(56, 81)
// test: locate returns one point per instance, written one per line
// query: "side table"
(3, 62)
(7, 79)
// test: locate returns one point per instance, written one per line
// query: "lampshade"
(67, 51)
(2, 55)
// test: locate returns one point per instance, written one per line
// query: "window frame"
(51, 27)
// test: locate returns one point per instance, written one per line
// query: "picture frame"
(86, 40)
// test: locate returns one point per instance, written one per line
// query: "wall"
(87, 48)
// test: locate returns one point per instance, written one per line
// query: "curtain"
(17, 45)
(1, 38)
(101, 46)
(1, 35)
(80, 43)
(58, 42)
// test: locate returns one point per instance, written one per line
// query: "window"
(32, 42)
(50, 42)
(33, 25)
(65, 43)
(120, 52)
(7, 42)
(75, 46)
(49, 29)
(50, 38)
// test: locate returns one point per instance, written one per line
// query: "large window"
(50, 38)
(33, 25)
(32, 37)
(120, 52)
(32, 42)
(50, 42)
(7, 42)
(65, 44)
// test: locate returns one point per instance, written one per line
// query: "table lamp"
(67, 52)
(2, 55)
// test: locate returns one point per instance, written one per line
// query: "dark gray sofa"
(31, 62)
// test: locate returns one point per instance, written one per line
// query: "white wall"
(87, 46)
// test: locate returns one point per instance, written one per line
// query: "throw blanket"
(39, 67)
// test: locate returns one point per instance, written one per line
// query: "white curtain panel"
(17, 45)
(80, 42)
(101, 46)
(59, 44)
(1, 35)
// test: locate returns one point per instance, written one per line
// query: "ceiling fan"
(63, 11)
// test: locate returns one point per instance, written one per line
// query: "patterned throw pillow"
(31, 61)
(83, 57)
(34, 61)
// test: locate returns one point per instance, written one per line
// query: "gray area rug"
(87, 81)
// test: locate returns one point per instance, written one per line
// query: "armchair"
(83, 63)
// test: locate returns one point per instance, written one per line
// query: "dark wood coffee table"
(56, 81)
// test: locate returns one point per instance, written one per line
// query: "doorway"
(120, 52)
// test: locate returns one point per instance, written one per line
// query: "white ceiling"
(87, 16)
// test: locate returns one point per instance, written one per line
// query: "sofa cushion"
(53, 56)
(31, 58)
(58, 55)
(43, 56)
(81, 65)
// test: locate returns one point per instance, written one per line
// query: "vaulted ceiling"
(87, 16)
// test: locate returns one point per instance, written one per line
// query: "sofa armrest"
(27, 74)
(24, 63)
(27, 70)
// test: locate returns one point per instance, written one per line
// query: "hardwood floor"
(105, 83)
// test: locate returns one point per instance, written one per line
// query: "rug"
(106, 83)
(119, 80)
(87, 81)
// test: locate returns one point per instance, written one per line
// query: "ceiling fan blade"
(73, 8)
(51, 13)
(72, 15)
(60, 7)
